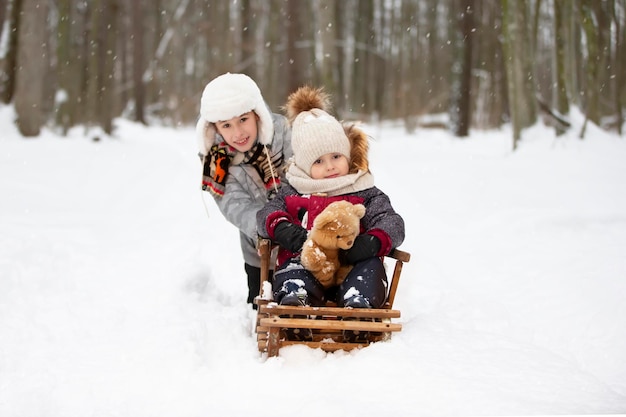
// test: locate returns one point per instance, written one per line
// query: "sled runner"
(327, 323)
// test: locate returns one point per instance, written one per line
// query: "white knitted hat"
(315, 133)
(228, 96)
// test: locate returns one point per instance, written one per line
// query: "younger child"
(243, 147)
(329, 164)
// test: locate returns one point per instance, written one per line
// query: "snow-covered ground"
(122, 290)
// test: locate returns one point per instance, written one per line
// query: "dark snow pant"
(254, 282)
(366, 279)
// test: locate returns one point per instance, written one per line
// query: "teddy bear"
(333, 229)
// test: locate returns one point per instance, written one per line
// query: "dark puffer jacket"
(380, 219)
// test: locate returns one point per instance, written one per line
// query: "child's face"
(330, 165)
(239, 132)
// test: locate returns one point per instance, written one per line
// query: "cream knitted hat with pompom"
(315, 133)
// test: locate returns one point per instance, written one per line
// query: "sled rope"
(269, 159)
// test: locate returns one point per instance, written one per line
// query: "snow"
(120, 296)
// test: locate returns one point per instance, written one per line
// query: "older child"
(330, 163)
(243, 147)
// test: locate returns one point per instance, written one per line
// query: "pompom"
(304, 99)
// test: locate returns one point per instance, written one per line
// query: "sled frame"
(327, 323)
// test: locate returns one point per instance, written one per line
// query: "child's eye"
(243, 119)
(225, 126)
(337, 156)
(317, 161)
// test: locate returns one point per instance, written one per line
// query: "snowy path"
(119, 297)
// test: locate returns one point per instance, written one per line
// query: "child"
(329, 164)
(243, 147)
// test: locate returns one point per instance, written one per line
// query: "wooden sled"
(327, 323)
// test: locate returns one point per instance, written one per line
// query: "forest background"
(478, 63)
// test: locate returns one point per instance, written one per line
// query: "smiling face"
(239, 132)
(330, 165)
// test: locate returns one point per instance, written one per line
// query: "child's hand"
(290, 236)
(365, 246)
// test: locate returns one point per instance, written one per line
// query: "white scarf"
(345, 184)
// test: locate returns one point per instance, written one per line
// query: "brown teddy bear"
(333, 229)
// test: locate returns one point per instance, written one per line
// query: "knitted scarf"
(350, 183)
(222, 155)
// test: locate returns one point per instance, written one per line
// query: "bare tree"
(102, 18)
(67, 74)
(363, 39)
(107, 52)
(31, 58)
(518, 66)
(461, 105)
(3, 13)
(345, 33)
(619, 22)
(592, 19)
(326, 56)
(261, 18)
(299, 52)
(11, 56)
(380, 59)
(561, 18)
(410, 76)
(139, 89)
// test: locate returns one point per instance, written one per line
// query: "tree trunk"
(345, 53)
(69, 67)
(31, 58)
(327, 55)
(620, 66)
(262, 20)
(593, 20)
(518, 66)
(561, 99)
(11, 57)
(107, 54)
(359, 82)
(92, 80)
(462, 103)
(488, 109)
(410, 74)
(299, 53)
(3, 13)
(139, 88)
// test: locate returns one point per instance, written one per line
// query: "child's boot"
(356, 336)
(296, 296)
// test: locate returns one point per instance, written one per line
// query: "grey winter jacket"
(245, 192)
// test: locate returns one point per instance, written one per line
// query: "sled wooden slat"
(327, 323)
(327, 346)
(330, 324)
(329, 311)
